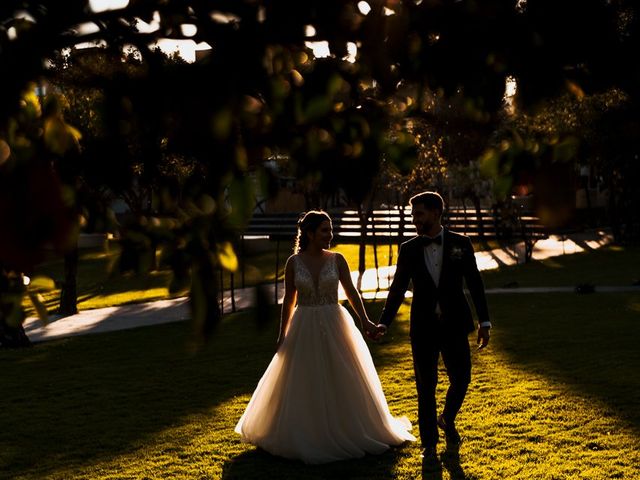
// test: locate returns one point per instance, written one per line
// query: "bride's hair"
(308, 222)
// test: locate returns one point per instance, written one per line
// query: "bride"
(320, 399)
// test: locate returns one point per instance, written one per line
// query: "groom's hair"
(429, 200)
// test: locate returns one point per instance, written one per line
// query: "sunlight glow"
(511, 87)
(352, 48)
(320, 49)
(364, 7)
(83, 45)
(132, 50)
(185, 48)
(222, 17)
(144, 27)
(86, 28)
(188, 29)
(25, 15)
(98, 6)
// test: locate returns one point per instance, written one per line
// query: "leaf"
(489, 162)
(31, 103)
(241, 198)
(318, 107)
(575, 90)
(41, 282)
(566, 150)
(242, 160)
(38, 303)
(205, 312)
(13, 301)
(5, 151)
(198, 302)
(227, 256)
(221, 123)
(60, 137)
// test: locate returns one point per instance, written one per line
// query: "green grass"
(554, 397)
(610, 265)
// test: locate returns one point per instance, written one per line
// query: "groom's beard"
(423, 227)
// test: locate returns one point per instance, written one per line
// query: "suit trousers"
(427, 346)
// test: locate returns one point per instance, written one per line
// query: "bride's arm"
(353, 296)
(289, 300)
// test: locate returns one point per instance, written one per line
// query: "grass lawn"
(610, 265)
(556, 396)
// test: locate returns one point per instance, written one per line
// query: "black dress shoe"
(429, 453)
(451, 434)
(430, 461)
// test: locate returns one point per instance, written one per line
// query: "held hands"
(373, 331)
(483, 337)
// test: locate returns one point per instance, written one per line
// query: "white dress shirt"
(433, 254)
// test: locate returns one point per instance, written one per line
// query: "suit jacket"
(458, 264)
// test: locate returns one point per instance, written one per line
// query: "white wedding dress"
(320, 399)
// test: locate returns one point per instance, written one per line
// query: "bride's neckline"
(316, 279)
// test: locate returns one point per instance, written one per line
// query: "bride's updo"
(309, 222)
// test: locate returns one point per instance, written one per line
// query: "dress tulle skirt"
(320, 399)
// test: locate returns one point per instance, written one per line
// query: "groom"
(437, 261)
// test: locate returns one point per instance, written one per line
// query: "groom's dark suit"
(444, 332)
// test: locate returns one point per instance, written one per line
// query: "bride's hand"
(370, 329)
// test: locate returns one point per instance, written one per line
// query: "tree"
(261, 90)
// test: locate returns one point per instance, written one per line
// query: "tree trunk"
(12, 334)
(363, 245)
(69, 293)
(375, 254)
(12, 337)
(614, 219)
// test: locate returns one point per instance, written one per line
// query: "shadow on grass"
(81, 400)
(257, 463)
(587, 343)
(87, 400)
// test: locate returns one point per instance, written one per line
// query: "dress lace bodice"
(310, 294)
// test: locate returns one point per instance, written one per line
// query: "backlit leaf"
(41, 282)
(227, 256)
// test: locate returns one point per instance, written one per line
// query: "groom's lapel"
(446, 257)
(420, 265)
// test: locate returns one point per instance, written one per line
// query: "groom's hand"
(376, 332)
(483, 337)
(381, 329)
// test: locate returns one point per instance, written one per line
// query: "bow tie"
(426, 241)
